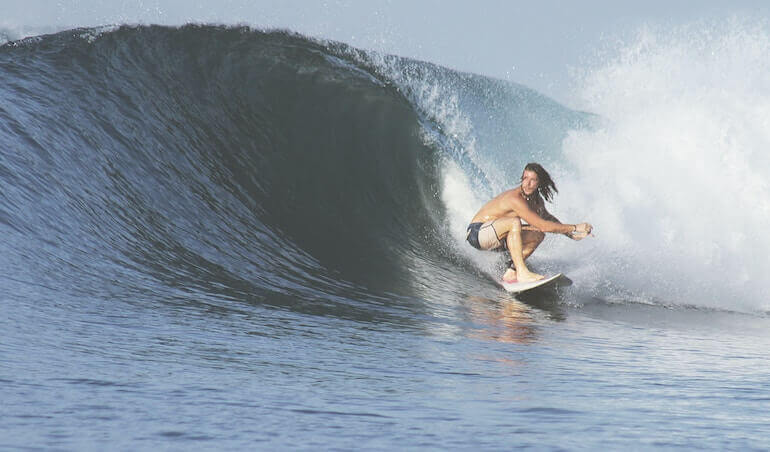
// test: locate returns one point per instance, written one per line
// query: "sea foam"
(675, 176)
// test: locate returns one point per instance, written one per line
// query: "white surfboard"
(525, 286)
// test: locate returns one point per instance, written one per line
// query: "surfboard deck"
(525, 286)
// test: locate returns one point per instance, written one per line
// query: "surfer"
(498, 225)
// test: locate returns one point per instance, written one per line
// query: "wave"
(210, 162)
(231, 161)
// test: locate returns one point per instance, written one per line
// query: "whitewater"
(221, 237)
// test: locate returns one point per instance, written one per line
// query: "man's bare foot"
(529, 276)
(510, 276)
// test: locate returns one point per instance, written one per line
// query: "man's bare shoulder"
(512, 196)
(509, 201)
(501, 205)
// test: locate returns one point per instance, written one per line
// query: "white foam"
(676, 180)
(461, 203)
(13, 32)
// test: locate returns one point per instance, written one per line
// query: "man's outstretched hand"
(582, 231)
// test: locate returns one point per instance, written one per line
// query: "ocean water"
(226, 238)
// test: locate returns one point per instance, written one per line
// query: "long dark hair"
(546, 187)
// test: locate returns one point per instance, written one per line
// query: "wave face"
(211, 163)
(154, 161)
(210, 155)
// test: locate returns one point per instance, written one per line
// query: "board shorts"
(483, 236)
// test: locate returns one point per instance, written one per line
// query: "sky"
(536, 43)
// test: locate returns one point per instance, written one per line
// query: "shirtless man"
(498, 225)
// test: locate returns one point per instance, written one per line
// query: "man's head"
(536, 178)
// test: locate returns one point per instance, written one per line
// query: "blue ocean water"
(225, 238)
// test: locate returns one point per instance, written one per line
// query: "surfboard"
(525, 286)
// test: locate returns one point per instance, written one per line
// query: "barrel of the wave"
(260, 157)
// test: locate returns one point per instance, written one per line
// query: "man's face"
(529, 182)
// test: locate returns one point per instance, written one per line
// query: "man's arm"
(546, 215)
(546, 225)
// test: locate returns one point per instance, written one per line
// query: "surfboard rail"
(518, 287)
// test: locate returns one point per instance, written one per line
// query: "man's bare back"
(501, 205)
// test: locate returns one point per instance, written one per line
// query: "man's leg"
(521, 244)
(531, 238)
(516, 248)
